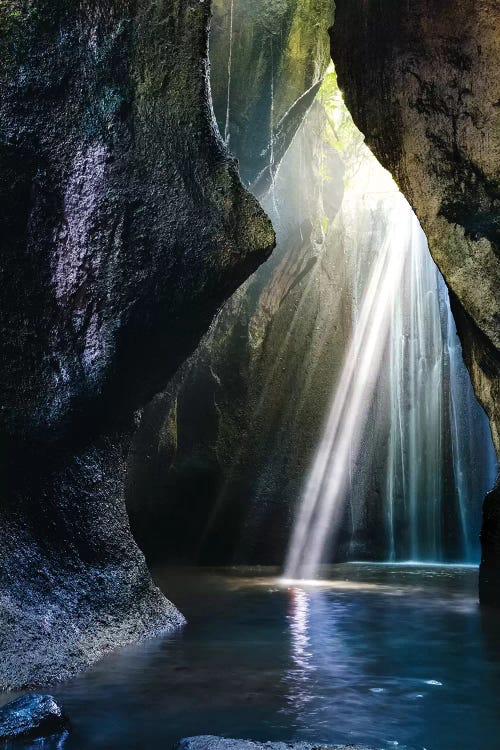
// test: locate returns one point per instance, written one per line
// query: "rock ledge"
(207, 742)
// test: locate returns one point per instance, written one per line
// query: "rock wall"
(123, 227)
(421, 81)
(267, 63)
(267, 60)
(220, 479)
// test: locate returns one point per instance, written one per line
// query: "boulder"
(32, 716)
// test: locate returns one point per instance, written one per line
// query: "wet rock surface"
(285, 46)
(31, 716)
(123, 228)
(421, 81)
(199, 446)
(234, 439)
(220, 743)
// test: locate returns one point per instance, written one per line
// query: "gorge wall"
(421, 81)
(235, 435)
(123, 227)
(191, 438)
(267, 60)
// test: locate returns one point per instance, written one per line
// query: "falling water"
(430, 394)
(322, 502)
(403, 310)
(417, 388)
(417, 394)
(404, 386)
(471, 441)
(229, 73)
(399, 469)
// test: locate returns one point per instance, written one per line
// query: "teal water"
(395, 656)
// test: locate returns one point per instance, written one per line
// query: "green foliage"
(340, 132)
(14, 15)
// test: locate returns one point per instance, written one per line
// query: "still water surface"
(394, 656)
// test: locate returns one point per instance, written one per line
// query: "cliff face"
(421, 81)
(267, 63)
(267, 60)
(221, 477)
(123, 227)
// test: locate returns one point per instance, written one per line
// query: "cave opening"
(325, 425)
(327, 415)
(307, 485)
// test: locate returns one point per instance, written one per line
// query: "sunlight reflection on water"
(374, 655)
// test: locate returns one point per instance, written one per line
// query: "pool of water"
(393, 656)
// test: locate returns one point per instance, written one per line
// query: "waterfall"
(402, 311)
(322, 502)
(229, 73)
(471, 444)
(431, 395)
(403, 416)
(349, 322)
(415, 463)
(457, 392)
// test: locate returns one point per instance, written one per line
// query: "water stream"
(387, 656)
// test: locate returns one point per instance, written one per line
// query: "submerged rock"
(32, 716)
(208, 742)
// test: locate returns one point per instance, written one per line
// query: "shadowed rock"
(267, 60)
(123, 228)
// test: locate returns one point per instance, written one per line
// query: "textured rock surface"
(220, 743)
(421, 81)
(123, 227)
(284, 45)
(31, 716)
(204, 421)
(241, 421)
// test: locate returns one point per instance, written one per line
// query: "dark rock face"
(123, 227)
(31, 716)
(218, 463)
(192, 466)
(285, 47)
(421, 81)
(220, 743)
